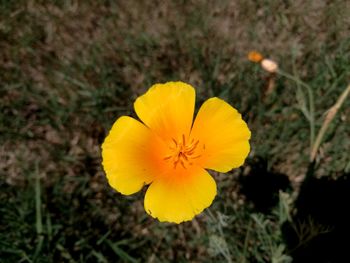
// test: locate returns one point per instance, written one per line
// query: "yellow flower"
(171, 152)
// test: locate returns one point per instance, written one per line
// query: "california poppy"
(170, 152)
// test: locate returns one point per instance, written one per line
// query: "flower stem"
(311, 104)
(329, 117)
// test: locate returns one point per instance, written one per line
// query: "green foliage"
(69, 69)
(256, 238)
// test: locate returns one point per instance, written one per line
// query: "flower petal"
(181, 195)
(223, 134)
(167, 109)
(132, 155)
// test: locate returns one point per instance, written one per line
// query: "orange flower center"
(182, 152)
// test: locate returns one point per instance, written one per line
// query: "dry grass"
(68, 69)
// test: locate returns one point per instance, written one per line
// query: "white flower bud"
(269, 65)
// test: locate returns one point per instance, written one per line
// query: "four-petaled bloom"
(171, 152)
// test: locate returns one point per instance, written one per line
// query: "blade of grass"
(246, 242)
(65, 254)
(121, 253)
(48, 226)
(347, 167)
(99, 257)
(39, 224)
(38, 214)
(25, 258)
(103, 238)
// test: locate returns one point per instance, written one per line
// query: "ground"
(69, 69)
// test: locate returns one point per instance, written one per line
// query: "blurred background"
(69, 69)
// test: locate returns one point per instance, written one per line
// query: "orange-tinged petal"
(180, 195)
(167, 109)
(223, 136)
(132, 155)
(255, 56)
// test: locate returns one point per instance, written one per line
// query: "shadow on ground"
(320, 229)
(261, 186)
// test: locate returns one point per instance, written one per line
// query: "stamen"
(184, 156)
(183, 165)
(183, 153)
(174, 141)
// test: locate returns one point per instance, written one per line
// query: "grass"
(69, 69)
